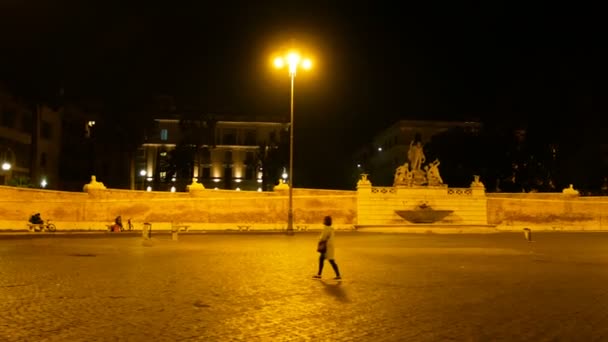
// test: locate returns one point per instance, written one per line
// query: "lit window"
(164, 135)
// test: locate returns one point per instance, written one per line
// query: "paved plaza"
(258, 287)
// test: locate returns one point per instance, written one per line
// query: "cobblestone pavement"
(397, 287)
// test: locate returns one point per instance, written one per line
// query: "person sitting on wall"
(117, 227)
(36, 219)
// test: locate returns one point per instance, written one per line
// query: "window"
(206, 156)
(162, 175)
(249, 158)
(228, 157)
(8, 118)
(229, 137)
(250, 137)
(164, 134)
(27, 122)
(250, 172)
(45, 130)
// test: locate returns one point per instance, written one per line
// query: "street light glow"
(6, 166)
(293, 58)
(307, 64)
(279, 63)
(142, 173)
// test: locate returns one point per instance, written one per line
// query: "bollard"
(174, 232)
(147, 231)
(528, 234)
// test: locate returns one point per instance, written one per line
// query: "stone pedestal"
(419, 177)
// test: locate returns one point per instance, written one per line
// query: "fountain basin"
(423, 215)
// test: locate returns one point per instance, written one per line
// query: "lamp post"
(293, 60)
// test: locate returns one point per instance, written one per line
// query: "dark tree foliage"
(273, 156)
(461, 156)
(529, 157)
(197, 130)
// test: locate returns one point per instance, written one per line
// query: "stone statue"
(415, 155)
(364, 181)
(195, 185)
(281, 186)
(93, 185)
(403, 176)
(476, 183)
(570, 190)
(432, 173)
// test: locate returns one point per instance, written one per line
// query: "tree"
(462, 155)
(197, 131)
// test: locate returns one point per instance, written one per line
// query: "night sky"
(373, 64)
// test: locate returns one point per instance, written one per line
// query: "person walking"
(327, 238)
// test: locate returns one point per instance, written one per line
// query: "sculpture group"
(412, 173)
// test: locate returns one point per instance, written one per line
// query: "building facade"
(220, 154)
(30, 143)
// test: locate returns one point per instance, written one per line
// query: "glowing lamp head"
(293, 60)
(279, 62)
(6, 166)
(307, 64)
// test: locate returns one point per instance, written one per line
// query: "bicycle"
(47, 226)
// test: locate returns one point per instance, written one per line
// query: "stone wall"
(226, 209)
(201, 209)
(547, 211)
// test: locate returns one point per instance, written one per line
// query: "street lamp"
(293, 60)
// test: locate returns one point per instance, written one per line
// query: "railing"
(460, 192)
(383, 190)
(449, 191)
